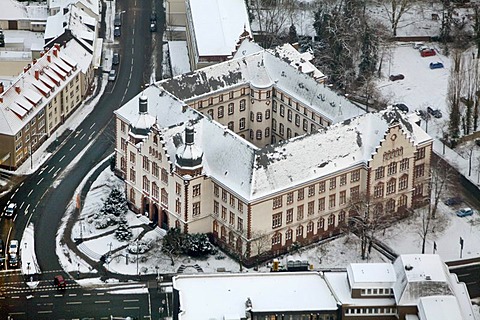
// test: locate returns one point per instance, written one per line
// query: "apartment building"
(254, 149)
(414, 287)
(38, 101)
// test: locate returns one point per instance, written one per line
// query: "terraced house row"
(262, 155)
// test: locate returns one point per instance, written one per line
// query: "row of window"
(225, 197)
(229, 217)
(298, 107)
(392, 168)
(371, 311)
(376, 292)
(311, 190)
(220, 97)
(378, 190)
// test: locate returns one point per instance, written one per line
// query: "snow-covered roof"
(420, 275)
(370, 275)
(178, 54)
(439, 308)
(27, 95)
(217, 25)
(13, 10)
(263, 69)
(338, 282)
(81, 25)
(93, 5)
(226, 294)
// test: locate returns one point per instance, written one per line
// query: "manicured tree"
(292, 34)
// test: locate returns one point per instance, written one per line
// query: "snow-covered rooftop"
(217, 25)
(226, 294)
(371, 275)
(93, 5)
(439, 308)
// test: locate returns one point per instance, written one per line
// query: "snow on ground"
(178, 53)
(27, 254)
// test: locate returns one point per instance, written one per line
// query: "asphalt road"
(43, 196)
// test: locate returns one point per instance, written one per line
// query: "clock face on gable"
(393, 137)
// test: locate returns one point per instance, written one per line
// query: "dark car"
(401, 106)
(453, 201)
(116, 58)
(117, 32)
(153, 17)
(117, 22)
(395, 77)
(437, 113)
(59, 282)
(436, 65)
(427, 52)
(13, 261)
(153, 26)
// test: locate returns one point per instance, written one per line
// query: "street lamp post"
(137, 258)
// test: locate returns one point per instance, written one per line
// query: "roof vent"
(428, 278)
(408, 267)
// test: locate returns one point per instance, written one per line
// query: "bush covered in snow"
(141, 246)
(123, 233)
(195, 245)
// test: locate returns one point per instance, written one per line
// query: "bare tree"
(366, 219)
(442, 176)
(395, 10)
(427, 225)
(455, 85)
(259, 244)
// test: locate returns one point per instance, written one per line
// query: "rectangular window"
(311, 208)
(132, 157)
(311, 190)
(300, 195)
(392, 168)
(231, 108)
(321, 204)
(196, 209)
(224, 213)
(232, 201)
(196, 190)
(240, 206)
(343, 197)
(289, 217)
(178, 207)
(164, 176)
(343, 179)
(216, 208)
(419, 170)
(232, 218)
(276, 220)
(379, 172)
(277, 202)
(420, 154)
(239, 224)
(331, 201)
(404, 164)
(321, 187)
(300, 212)
(224, 195)
(355, 176)
(333, 183)
(216, 190)
(132, 175)
(290, 198)
(178, 187)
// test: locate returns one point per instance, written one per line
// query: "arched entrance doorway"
(164, 220)
(154, 217)
(145, 207)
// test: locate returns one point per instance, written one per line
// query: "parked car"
(401, 106)
(418, 45)
(395, 77)
(465, 212)
(13, 260)
(153, 26)
(153, 17)
(453, 201)
(11, 210)
(436, 65)
(117, 32)
(117, 22)
(13, 247)
(59, 282)
(112, 75)
(427, 52)
(116, 58)
(434, 112)
(422, 114)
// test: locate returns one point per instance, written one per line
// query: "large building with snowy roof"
(367, 291)
(253, 149)
(47, 92)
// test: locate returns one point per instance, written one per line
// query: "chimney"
(49, 58)
(57, 46)
(55, 53)
(142, 106)
(189, 134)
(42, 53)
(17, 88)
(37, 74)
(1, 87)
(34, 61)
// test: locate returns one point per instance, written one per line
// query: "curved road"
(43, 196)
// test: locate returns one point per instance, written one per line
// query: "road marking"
(15, 297)
(91, 135)
(51, 169)
(100, 294)
(15, 192)
(74, 302)
(43, 195)
(45, 311)
(58, 295)
(92, 125)
(63, 157)
(103, 301)
(44, 296)
(26, 209)
(15, 313)
(21, 184)
(21, 205)
(72, 295)
(73, 147)
(131, 300)
(131, 308)
(31, 191)
(83, 136)
(56, 172)
(39, 181)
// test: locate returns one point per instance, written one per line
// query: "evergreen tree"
(369, 55)
(292, 34)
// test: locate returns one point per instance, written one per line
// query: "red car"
(427, 52)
